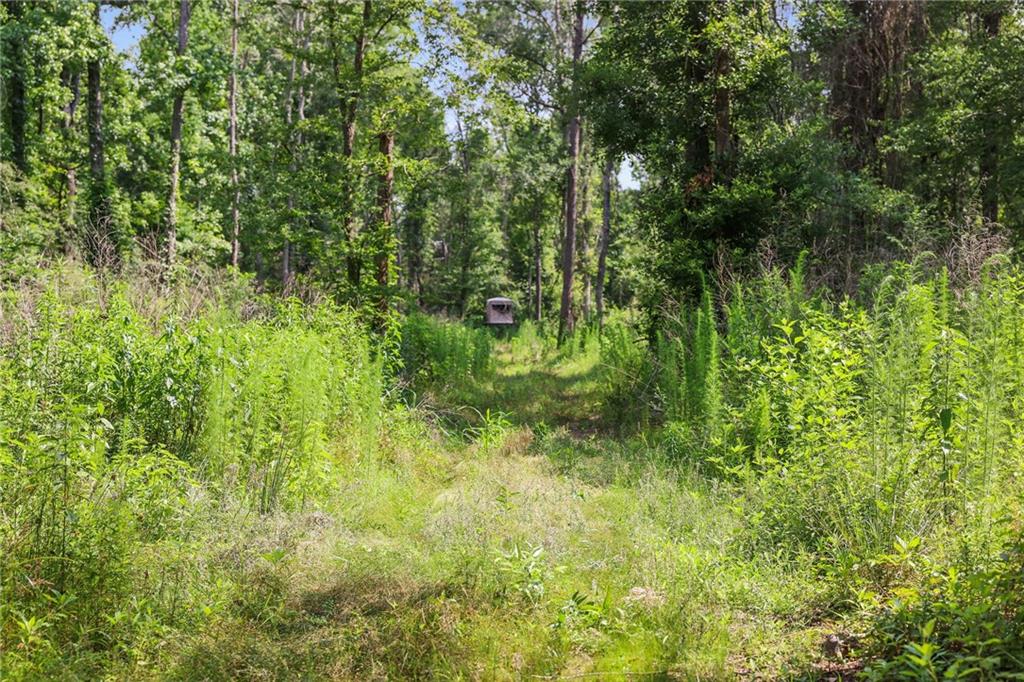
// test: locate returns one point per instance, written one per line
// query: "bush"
(953, 626)
(851, 426)
(439, 353)
(857, 423)
(123, 433)
(627, 375)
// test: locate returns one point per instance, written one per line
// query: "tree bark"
(299, 27)
(350, 108)
(413, 220)
(286, 247)
(236, 196)
(565, 318)
(71, 80)
(723, 125)
(538, 264)
(100, 241)
(602, 242)
(988, 165)
(585, 235)
(382, 255)
(177, 115)
(17, 106)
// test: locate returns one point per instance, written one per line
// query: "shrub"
(953, 625)
(122, 433)
(439, 353)
(856, 423)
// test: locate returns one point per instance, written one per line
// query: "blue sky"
(125, 38)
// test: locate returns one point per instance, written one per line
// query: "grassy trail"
(530, 546)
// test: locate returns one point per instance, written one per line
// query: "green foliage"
(281, 394)
(27, 234)
(953, 625)
(857, 424)
(851, 426)
(628, 373)
(439, 353)
(123, 428)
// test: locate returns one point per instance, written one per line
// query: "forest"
(759, 414)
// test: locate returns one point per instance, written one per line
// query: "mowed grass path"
(531, 544)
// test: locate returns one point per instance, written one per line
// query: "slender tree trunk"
(412, 236)
(723, 124)
(236, 195)
(299, 26)
(988, 165)
(286, 247)
(350, 108)
(464, 239)
(71, 80)
(538, 265)
(100, 240)
(382, 256)
(177, 115)
(602, 242)
(565, 318)
(17, 104)
(585, 230)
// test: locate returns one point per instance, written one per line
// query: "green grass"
(560, 551)
(211, 495)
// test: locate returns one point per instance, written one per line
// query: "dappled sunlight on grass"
(542, 549)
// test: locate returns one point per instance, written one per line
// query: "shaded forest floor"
(509, 536)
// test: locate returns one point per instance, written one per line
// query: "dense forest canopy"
(438, 152)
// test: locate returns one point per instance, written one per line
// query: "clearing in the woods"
(517, 538)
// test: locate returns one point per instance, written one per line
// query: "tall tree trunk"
(100, 241)
(350, 108)
(565, 317)
(383, 241)
(177, 115)
(236, 195)
(71, 80)
(299, 27)
(538, 263)
(286, 247)
(723, 125)
(988, 165)
(585, 231)
(602, 242)
(412, 231)
(17, 105)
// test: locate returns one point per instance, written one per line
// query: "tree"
(233, 136)
(100, 240)
(988, 164)
(606, 224)
(348, 100)
(384, 239)
(177, 120)
(573, 132)
(71, 79)
(16, 106)
(295, 137)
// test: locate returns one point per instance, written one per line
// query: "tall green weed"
(122, 430)
(858, 423)
(439, 353)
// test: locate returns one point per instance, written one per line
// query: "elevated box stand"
(498, 312)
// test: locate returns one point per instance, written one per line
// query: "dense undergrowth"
(883, 435)
(142, 436)
(199, 482)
